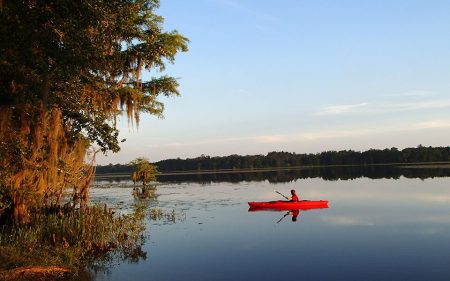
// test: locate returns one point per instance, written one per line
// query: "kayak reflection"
(293, 208)
(293, 213)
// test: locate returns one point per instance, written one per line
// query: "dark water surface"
(374, 229)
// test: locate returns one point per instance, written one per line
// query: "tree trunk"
(20, 213)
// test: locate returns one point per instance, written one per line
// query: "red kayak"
(288, 205)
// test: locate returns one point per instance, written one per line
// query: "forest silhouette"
(420, 154)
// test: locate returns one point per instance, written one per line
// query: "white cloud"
(242, 91)
(246, 139)
(382, 129)
(326, 133)
(168, 145)
(418, 93)
(384, 107)
(270, 139)
(339, 109)
(434, 124)
(416, 105)
(331, 134)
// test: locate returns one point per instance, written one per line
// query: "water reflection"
(294, 212)
(142, 206)
(129, 247)
(392, 227)
(144, 192)
(280, 176)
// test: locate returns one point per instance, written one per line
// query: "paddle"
(283, 217)
(281, 194)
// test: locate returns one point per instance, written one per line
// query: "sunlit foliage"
(72, 240)
(143, 171)
(68, 70)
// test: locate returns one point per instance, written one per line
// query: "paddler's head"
(293, 192)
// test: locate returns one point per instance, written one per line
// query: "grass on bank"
(68, 241)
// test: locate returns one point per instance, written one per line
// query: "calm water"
(374, 229)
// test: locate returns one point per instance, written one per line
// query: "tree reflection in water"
(326, 173)
(132, 252)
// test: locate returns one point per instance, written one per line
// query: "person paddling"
(294, 197)
(294, 214)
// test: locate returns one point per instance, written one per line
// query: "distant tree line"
(115, 169)
(287, 159)
(325, 173)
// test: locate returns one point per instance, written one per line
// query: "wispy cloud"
(416, 105)
(418, 93)
(383, 107)
(343, 108)
(256, 139)
(169, 145)
(382, 129)
(312, 136)
(242, 91)
(434, 124)
(222, 141)
(270, 138)
(332, 134)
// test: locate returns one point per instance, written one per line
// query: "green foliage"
(285, 175)
(286, 159)
(143, 171)
(84, 57)
(71, 239)
(68, 69)
(167, 216)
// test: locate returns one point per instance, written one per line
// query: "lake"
(393, 228)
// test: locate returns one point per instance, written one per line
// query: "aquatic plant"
(72, 239)
(171, 216)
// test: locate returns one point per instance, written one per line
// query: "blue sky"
(301, 76)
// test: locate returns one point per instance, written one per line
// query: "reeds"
(167, 216)
(72, 239)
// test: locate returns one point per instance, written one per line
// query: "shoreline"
(417, 165)
(37, 273)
